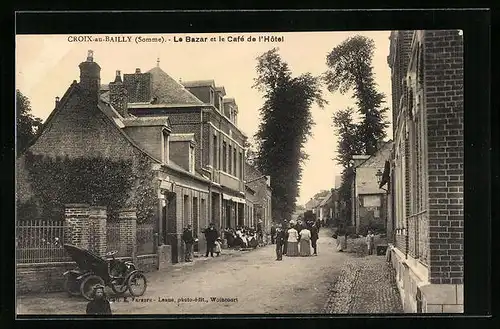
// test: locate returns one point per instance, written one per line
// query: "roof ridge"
(177, 83)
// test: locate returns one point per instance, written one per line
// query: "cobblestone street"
(365, 285)
(252, 282)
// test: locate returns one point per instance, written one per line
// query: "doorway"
(171, 224)
(228, 215)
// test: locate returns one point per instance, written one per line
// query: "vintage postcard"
(240, 173)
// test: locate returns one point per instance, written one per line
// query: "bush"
(91, 180)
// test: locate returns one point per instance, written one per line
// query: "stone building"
(427, 168)
(369, 206)
(327, 207)
(197, 111)
(90, 121)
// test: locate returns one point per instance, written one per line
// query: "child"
(99, 304)
(218, 244)
(370, 241)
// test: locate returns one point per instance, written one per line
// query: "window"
(203, 211)
(192, 159)
(195, 216)
(186, 220)
(224, 156)
(221, 105)
(230, 159)
(165, 147)
(241, 166)
(215, 153)
(212, 96)
(235, 167)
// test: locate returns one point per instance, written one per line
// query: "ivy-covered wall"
(46, 184)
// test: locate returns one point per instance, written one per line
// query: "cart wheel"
(87, 285)
(137, 284)
(71, 285)
(119, 288)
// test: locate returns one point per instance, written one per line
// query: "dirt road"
(244, 283)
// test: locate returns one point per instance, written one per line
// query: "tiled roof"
(199, 83)
(379, 158)
(251, 172)
(168, 91)
(326, 199)
(177, 167)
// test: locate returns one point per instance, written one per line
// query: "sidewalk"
(365, 285)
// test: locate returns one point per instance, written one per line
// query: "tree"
(350, 142)
(350, 68)
(27, 123)
(286, 123)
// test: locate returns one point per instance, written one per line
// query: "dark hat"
(98, 286)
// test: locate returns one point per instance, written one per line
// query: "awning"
(232, 198)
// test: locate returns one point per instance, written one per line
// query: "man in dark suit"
(280, 241)
(211, 235)
(314, 237)
(187, 237)
(273, 233)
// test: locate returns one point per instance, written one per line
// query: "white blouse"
(305, 234)
(293, 235)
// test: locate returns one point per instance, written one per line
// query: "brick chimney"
(118, 95)
(90, 78)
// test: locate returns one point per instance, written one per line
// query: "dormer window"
(165, 147)
(221, 105)
(212, 96)
(191, 159)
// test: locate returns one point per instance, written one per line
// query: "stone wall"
(41, 278)
(418, 294)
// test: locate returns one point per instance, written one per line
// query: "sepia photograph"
(240, 173)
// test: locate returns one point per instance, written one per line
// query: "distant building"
(327, 207)
(427, 169)
(259, 198)
(313, 204)
(369, 206)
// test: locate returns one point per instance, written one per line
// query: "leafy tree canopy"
(27, 123)
(286, 123)
(350, 69)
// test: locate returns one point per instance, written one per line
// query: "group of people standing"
(211, 236)
(241, 237)
(296, 240)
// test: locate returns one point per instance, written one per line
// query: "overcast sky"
(47, 64)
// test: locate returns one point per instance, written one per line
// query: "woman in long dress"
(305, 238)
(292, 248)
